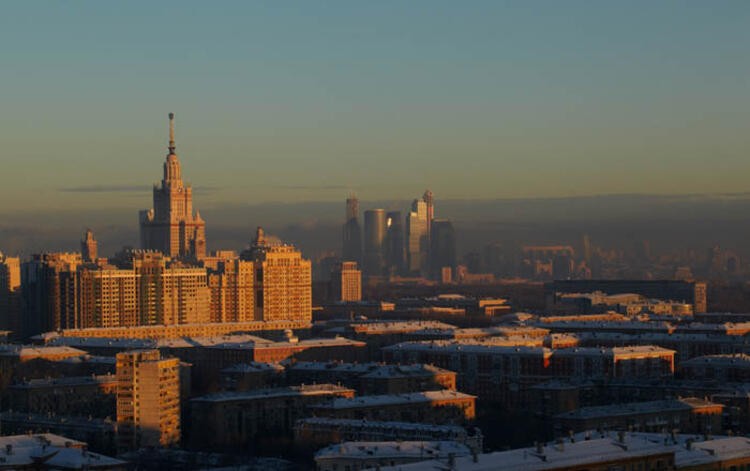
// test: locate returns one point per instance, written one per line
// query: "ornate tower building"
(170, 226)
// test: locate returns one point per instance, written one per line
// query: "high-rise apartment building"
(394, 243)
(148, 400)
(49, 292)
(171, 226)
(232, 288)
(375, 229)
(170, 293)
(89, 247)
(107, 297)
(10, 294)
(352, 232)
(417, 242)
(346, 282)
(283, 280)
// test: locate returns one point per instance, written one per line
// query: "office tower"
(346, 282)
(107, 297)
(416, 238)
(283, 280)
(148, 400)
(10, 294)
(89, 247)
(587, 249)
(443, 249)
(352, 232)
(394, 243)
(170, 293)
(232, 288)
(170, 226)
(374, 238)
(428, 199)
(49, 292)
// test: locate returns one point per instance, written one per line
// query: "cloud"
(203, 190)
(105, 189)
(312, 187)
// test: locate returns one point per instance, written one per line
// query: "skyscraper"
(394, 243)
(89, 247)
(170, 226)
(375, 227)
(443, 248)
(148, 400)
(417, 246)
(283, 280)
(352, 232)
(429, 201)
(10, 294)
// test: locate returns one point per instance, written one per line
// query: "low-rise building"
(373, 378)
(76, 395)
(722, 368)
(356, 456)
(52, 452)
(317, 432)
(432, 407)
(687, 415)
(234, 420)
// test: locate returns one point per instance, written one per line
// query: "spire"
(172, 146)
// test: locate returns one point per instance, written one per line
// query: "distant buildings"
(352, 232)
(417, 238)
(690, 292)
(171, 226)
(442, 250)
(375, 232)
(148, 400)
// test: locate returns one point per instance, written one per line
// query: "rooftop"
(636, 408)
(392, 450)
(304, 390)
(393, 399)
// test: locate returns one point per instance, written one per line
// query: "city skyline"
(511, 100)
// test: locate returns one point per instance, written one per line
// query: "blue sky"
(299, 101)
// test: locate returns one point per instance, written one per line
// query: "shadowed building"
(352, 232)
(10, 294)
(394, 243)
(170, 226)
(442, 249)
(375, 227)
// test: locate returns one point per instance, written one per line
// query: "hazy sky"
(290, 101)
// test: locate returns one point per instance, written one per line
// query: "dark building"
(442, 248)
(352, 232)
(394, 243)
(374, 242)
(691, 292)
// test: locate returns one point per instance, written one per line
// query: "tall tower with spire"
(89, 246)
(171, 226)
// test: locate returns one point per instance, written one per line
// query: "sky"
(284, 101)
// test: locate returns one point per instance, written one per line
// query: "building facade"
(148, 400)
